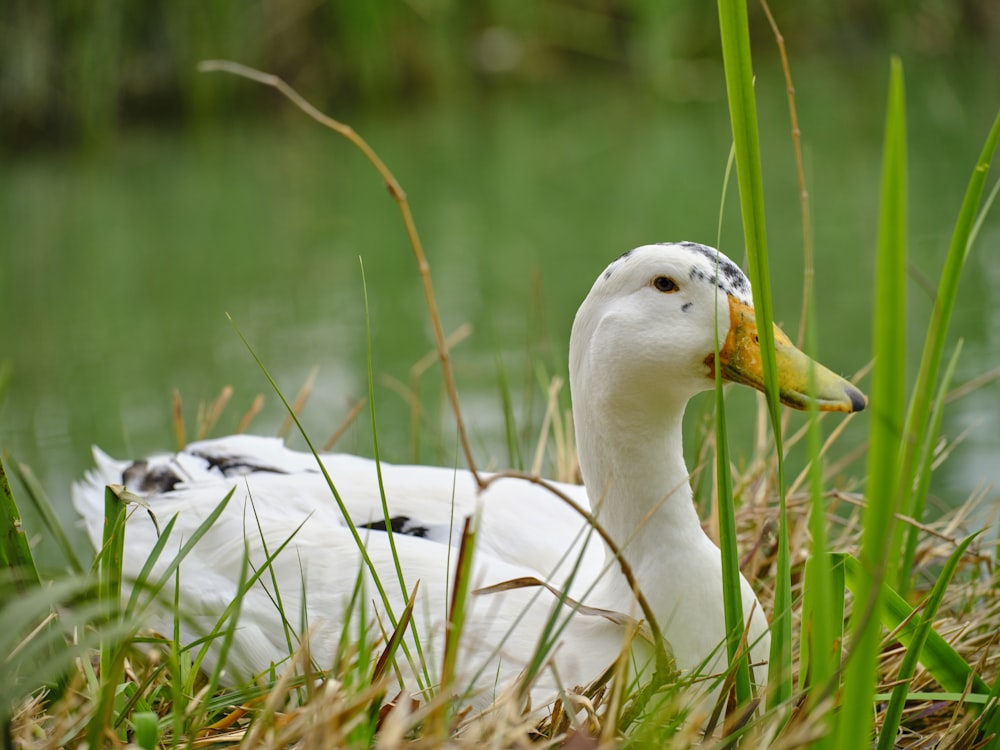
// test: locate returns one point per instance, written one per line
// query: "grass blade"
(734, 29)
(888, 387)
(146, 726)
(991, 718)
(110, 592)
(189, 544)
(111, 559)
(386, 516)
(147, 567)
(50, 519)
(731, 586)
(951, 671)
(514, 459)
(823, 598)
(15, 554)
(5, 374)
(822, 623)
(457, 610)
(287, 629)
(398, 195)
(392, 644)
(43, 634)
(930, 361)
(351, 526)
(231, 616)
(924, 467)
(893, 713)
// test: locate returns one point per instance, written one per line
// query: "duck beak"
(740, 360)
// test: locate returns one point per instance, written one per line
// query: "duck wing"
(280, 496)
(521, 523)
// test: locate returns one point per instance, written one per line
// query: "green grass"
(887, 404)
(76, 72)
(15, 554)
(734, 29)
(893, 449)
(917, 454)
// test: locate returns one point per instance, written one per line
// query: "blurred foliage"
(72, 71)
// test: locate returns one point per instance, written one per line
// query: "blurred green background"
(140, 201)
(77, 70)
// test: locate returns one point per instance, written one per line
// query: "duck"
(549, 598)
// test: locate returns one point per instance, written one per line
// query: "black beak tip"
(858, 400)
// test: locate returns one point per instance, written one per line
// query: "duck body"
(642, 344)
(523, 531)
(280, 495)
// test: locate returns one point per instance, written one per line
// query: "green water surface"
(118, 269)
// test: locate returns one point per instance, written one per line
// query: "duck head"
(646, 336)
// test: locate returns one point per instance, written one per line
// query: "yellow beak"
(741, 363)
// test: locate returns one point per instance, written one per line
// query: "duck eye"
(665, 284)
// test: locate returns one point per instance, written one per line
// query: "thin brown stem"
(808, 271)
(663, 663)
(213, 412)
(177, 418)
(973, 385)
(344, 425)
(253, 411)
(397, 193)
(300, 402)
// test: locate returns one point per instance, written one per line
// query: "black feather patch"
(399, 525)
(234, 466)
(138, 477)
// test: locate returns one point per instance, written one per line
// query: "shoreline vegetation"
(76, 74)
(883, 621)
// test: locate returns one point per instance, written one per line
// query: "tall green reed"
(894, 710)
(110, 561)
(15, 554)
(89, 68)
(911, 465)
(734, 30)
(45, 510)
(887, 406)
(900, 447)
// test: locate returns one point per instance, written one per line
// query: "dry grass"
(335, 711)
(968, 619)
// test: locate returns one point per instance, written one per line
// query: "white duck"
(642, 344)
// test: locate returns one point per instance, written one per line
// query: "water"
(118, 271)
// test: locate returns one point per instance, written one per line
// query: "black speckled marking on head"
(138, 477)
(399, 525)
(731, 280)
(610, 269)
(234, 466)
(686, 307)
(734, 275)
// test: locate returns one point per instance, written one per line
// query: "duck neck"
(632, 461)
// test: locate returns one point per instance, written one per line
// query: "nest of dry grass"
(327, 712)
